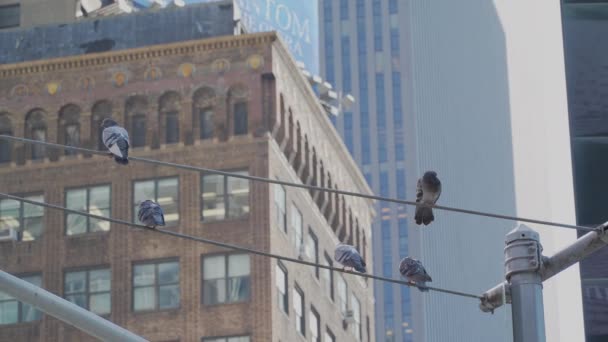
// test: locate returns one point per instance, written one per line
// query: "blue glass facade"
(374, 133)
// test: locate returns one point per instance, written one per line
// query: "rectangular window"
(25, 219)
(224, 197)
(39, 151)
(328, 277)
(344, 9)
(89, 289)
(6, 146)
(164, 191)
(296, 226)
(356, 328)
(280, 203)
(240, 118)
(10, 16)
(138, 130)
(298, 308)
(392, 6)
(329, 336)
(156, 286)
(281, 282)
(13, 311)
(312, 249)
(315, 325)
(226, 278)
(206, 122)
(227, 339)
(377, 22)
(342, 294)
(171, 127)
(93, 200)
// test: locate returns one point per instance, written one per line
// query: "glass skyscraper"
(361, 54)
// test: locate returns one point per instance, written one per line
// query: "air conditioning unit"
(8, 234)
(349, 317)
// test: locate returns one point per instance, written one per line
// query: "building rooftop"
(120, 32)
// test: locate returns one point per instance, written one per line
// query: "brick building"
(234, 103)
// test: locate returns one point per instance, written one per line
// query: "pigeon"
(428, 191)
(414, 272)
(151, 214)
(116, 140)
(348, 256)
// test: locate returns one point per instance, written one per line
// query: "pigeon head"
(108, 123)
(361, 268)
(430, 177)
(146, 202)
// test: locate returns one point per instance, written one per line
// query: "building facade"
(488, 112)
(585, 26)
(363, 53)
(235, 103)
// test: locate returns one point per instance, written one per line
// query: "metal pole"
(522, 270)
(64, 310)
(566, 257)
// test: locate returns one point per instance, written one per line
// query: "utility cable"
(231, 246)
(303, 186)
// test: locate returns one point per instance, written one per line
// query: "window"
(280, 203)
(72, 137)
(328, 277)
(329, 336)
(281, 283)
(163, 191)
(312, 249)
(89, 289)
(13, 311)
(344, 9)
(100, 111)
(10, 16)
(315, 325)
(342, 294)
(224, 196)
(206, 122)
(171, 127)
(156, 286)
(26, 219)
(93, 200)
(226, 278)
(240, 118)
(227, 339)
(138, 130)
(298, 307)
(296, 225)
(39, 151)
(356, 328)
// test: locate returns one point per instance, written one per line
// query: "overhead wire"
(232, 246)
(303, 186)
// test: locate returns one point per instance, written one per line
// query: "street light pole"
(522, 270)
(64, 310)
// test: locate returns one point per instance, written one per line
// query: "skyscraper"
(362, 53)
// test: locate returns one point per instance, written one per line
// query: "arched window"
(135, 120)
(101, 110)
(203, 103)
(35, 128)
(6, 146)
(237, 99)
(169, 108)
(69, 127)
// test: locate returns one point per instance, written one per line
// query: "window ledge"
(243, 218)
(172, 311)
(19, 325)
(224, 305)
(87, 235)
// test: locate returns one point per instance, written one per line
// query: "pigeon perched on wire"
(428, 191)
(151, 214)
(116, 140)
(348, 256)
(414, 272)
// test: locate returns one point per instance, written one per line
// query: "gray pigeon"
(414, 272)
(151, 214)
(428, 191)
(116, 140)
(348, 256)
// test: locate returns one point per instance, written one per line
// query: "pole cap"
(522, 232)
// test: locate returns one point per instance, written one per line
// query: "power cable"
(231, 246)
(303, 186)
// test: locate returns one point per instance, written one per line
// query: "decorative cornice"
(130, 55)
